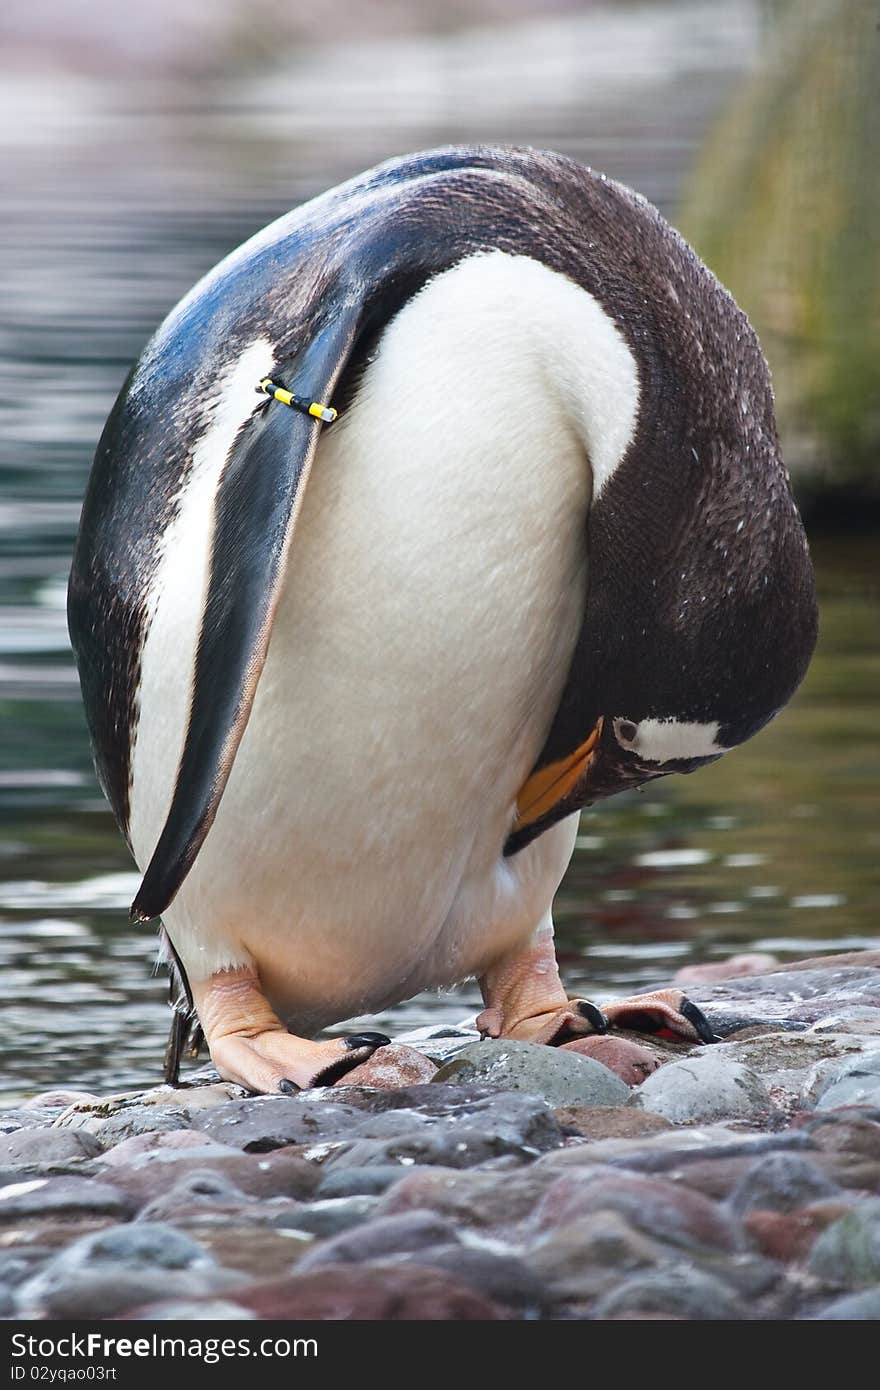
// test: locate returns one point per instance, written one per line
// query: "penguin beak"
(551, 784)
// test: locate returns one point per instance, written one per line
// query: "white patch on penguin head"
(668, 739)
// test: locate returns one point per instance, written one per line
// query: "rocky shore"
(452, 1178)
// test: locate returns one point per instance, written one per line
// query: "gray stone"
(781, 1182)
(498, 1274)
(432, 1146)
(263, 1123)
(855, 1082)
(383, 1237)
(48, 1146)
(792, 998)
(139, 1119)
(847, 1254)
(261, 1175)
(330, 1216)
(672, 1293)
(855, 1307)
(108, 1272)
(363, 1182)
(192, 1310)
(577, 1262)
(664, 1211)
(206, 1196)
(560, 1078)
(859, 1018)
(700, 1089)
(41, 1197)
(476, 1200)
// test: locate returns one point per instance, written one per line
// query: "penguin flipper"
(256, 507)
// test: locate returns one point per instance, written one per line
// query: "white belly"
(432, 600)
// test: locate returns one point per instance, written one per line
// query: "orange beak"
(552, 783)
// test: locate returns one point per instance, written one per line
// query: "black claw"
(699, 1021)
(373, 1040)
(288, 1088)
(594, 1016)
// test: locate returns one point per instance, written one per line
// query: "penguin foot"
(665, 1013)
(525, 999)
(251, 1046)
(577, 1018)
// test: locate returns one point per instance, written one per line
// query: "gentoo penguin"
(448, 504)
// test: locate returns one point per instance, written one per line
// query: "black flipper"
(257, 504)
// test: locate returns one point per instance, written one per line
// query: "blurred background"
(139, 144)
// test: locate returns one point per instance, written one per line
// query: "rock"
(853, 1131)
(47, 1146)
(577, 1261)
(473, 1200)
(138, 1119)
(672, 1293)
(629, 1060)
(608, 1122)
(750, 963)
(676, 1151)
(331, 1216)
(498, 1274)
(259, 1175)
(796, 997)
(106, 1273)
(560, 1077)
(781, 1182)
(202, 1193)
(382, 1238)
(789, 1235)
(520, 1120)
(42, 1197)
(262, 1123)
(855, 1307)
(175, 1139)
(393, 1066)
(855, 1082)
(704, 1088)
(847, 1254)
(662, 1210)
(249, 1251)
(191, 1310)
(439, 1043)
(458, 1147)
(366, 1182)
(374, 1292)
(858, 1018)
(59, 1100)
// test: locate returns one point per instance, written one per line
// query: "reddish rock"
(391, 1067)
(661, 1209)
(274, 1174)
(130, 1149)
(789, 1235)
(609, 1121)
(476, 1200)
(754, 963)
(628, 1060)
(51, 1100)
(371, 1293)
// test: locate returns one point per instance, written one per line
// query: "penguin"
(448, 504)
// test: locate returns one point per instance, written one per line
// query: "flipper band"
(301, 403)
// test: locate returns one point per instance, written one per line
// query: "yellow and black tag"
(326, 413)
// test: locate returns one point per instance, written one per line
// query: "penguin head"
(702, 624)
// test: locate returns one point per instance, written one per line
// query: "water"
(118, 194)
